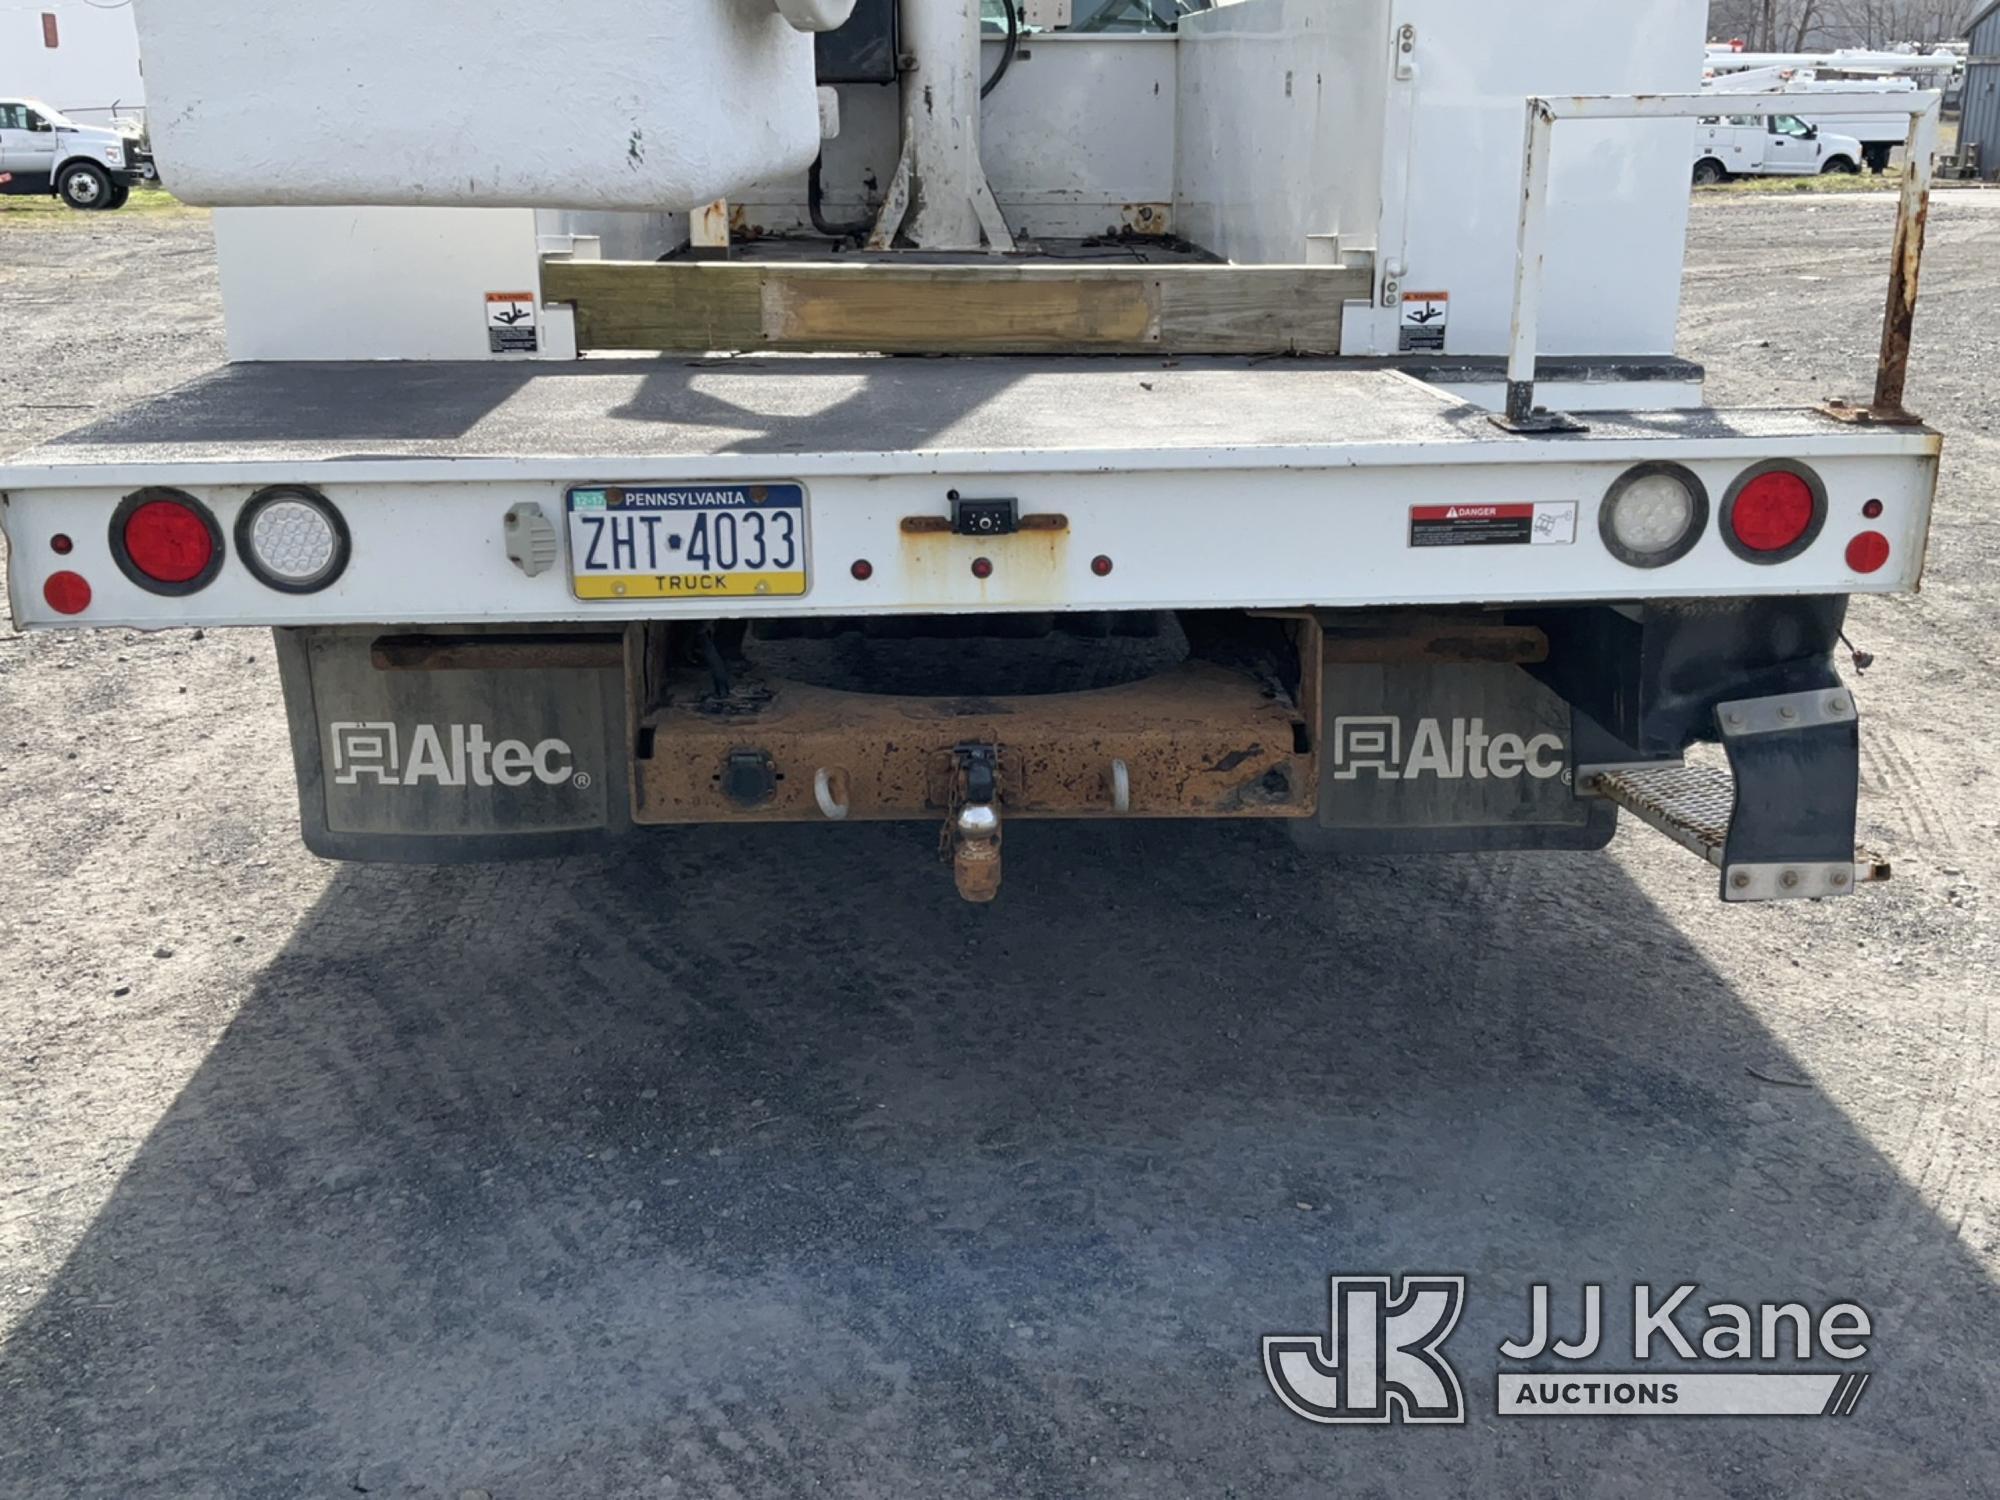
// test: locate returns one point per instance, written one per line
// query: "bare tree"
(1769, 25)
(1889, 23)
(1799, 25)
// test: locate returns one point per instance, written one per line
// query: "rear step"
(1694, 806)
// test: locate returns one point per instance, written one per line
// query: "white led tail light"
(293, 540)
(1653, 515)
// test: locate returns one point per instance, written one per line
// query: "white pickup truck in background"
(43, 151)
(1727, 146)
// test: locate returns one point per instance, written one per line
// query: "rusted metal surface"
(941, 525)
(1199, 741)
(708, 231)
(1899, 316)
(1430, 639)
(1913, 211)
(975, 854)
(1899, 319)
(497, 653)
(1028, 566)
(1145, 218)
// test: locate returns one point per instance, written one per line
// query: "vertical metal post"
(939, 198)
(1912, 213)
(1529, 255)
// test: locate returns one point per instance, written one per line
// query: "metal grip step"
(1694, 804)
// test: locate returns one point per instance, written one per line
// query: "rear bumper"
(1147, 531)
(1177, 485)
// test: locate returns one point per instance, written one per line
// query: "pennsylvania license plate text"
(687, 541)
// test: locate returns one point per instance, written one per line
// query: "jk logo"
(1381, 1362)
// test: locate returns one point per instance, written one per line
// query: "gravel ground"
(753, 1163)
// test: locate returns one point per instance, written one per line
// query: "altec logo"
(1450, 749)
(455, 755)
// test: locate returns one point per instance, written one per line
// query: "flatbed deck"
(1153, 484)
(1147, 411)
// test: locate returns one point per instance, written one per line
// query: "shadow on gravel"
(755, 1164)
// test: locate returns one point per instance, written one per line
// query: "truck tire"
(1877, 157)
(1708, 172)
(84, 185)
(1838, 165)
(121, 194)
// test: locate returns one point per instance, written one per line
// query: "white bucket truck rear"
(1212, 335)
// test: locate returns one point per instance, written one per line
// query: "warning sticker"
(510, 323)
(1425, 316)
(1538, 524)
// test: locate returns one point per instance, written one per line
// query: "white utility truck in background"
(1878, 135)
(1324, 345)
(45, 153)
(1727, 146)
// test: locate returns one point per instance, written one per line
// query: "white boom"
(636, 104)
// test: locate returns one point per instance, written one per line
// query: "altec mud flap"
(1390, 733)
(407, 754)
(1448, 758)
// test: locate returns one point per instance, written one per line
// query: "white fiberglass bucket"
(653, 104)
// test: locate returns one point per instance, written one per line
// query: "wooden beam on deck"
(926, 308)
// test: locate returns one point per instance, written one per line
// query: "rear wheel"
(121, 194)
(1708, 172)
(85, 185)
(1877, 157)
(1838, 166)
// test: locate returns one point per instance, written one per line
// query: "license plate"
(687, 541)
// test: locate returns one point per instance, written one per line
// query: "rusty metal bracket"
(1892, 367)
(539, 651)
(1197, 741)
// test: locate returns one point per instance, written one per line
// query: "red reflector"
(67, 593)
(61, 545)
(168, 542)
(982, 567)
(1101, 565)
(1867, 552)
(1772, 511)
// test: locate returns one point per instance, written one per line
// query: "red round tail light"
(1773, 512)
(166, 542)
(67, 593)
(1868, 552)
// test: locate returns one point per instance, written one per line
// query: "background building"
(1979, 120)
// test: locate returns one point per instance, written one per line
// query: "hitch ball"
(975, 856)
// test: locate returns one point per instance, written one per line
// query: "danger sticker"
(1523, 524)
(1425, 317)
(510, 323)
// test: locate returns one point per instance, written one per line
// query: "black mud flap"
(1796, 761)
(1444, 759)
(451, 764)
